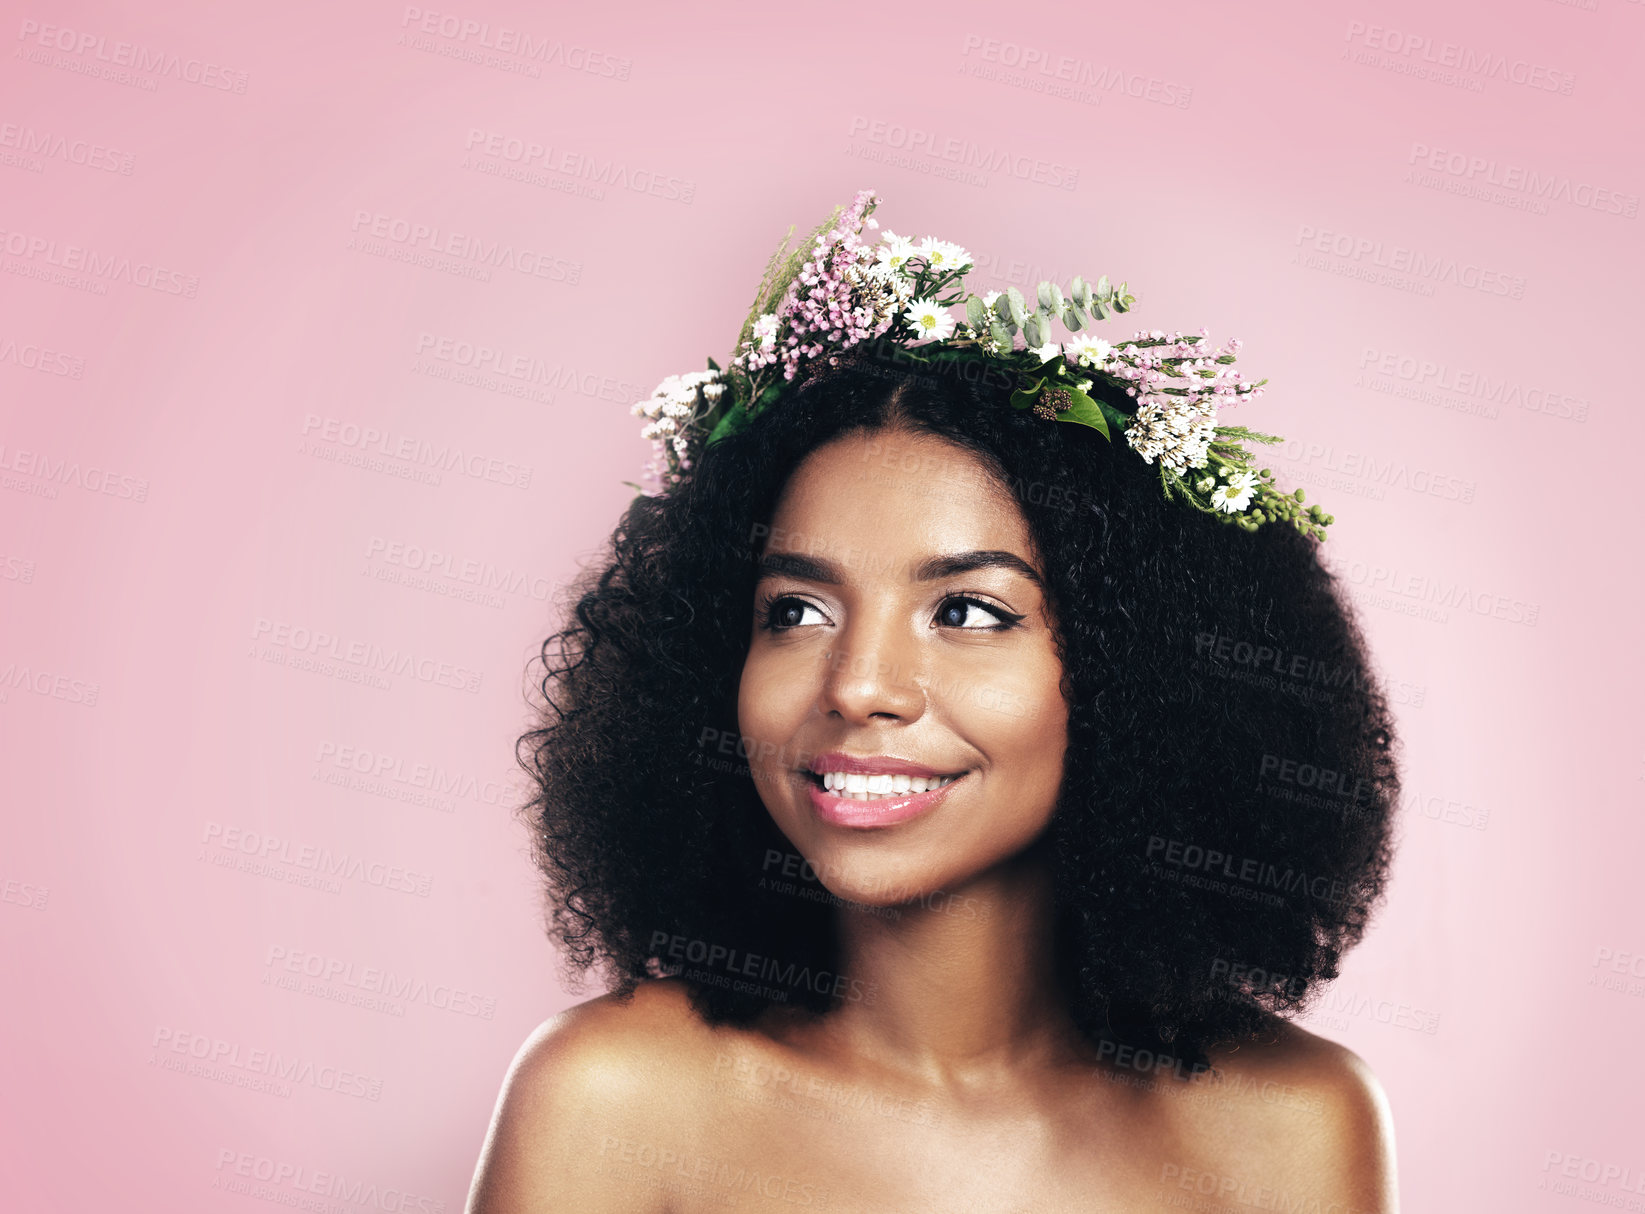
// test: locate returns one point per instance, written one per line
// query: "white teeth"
(857, 786)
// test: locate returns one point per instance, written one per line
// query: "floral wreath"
(849, 290)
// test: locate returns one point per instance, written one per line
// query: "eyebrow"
(817, 569)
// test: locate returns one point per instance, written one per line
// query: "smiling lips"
(866, 792)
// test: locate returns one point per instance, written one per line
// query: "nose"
(873, 673)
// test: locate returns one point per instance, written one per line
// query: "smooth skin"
(956, 1080)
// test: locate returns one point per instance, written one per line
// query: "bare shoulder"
(1309, 1116)
(591, 1091)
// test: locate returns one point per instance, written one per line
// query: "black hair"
(1223, 831)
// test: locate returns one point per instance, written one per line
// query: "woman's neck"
(963, 983)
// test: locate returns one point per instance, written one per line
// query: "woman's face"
(898, 623)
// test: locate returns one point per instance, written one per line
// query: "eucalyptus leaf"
(1002, 307)
(1018, 305)
(1031, 330)
(975, 314)
(1071, 318)
(1045, 295)
(1001, 334)
(1103, 289)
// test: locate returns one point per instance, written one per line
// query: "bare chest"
(770, 1139)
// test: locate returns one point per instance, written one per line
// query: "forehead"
(893, 492)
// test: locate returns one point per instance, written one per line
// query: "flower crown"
(849, 290)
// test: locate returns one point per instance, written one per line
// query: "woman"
(901, 772)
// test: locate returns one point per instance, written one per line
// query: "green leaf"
(712, 366)
(1001, 334)
(975, 314)
(734, 419)
(1018, 306)
(1117, 419)
(1085, 411)
(1024, 397)
(1031, 330)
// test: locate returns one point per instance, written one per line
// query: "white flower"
(1235, 495)
(895, 251)
(930, 318)
(765, 330)
(943, 255)
(988, 299)
(1047, 352)
(1089, 350)
(1177, 434)
(1205, 482)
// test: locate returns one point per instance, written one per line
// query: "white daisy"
(1089, 350)
(942, 255)
(895, 251)
(1047, 352)
(930, 319)
(1234, 495)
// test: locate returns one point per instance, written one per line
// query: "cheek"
(770, 706)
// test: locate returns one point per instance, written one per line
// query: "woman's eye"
(957, 612)
(786, 612)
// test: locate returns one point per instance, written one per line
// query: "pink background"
(1478, 449)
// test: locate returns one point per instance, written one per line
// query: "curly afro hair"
(1223, 830)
